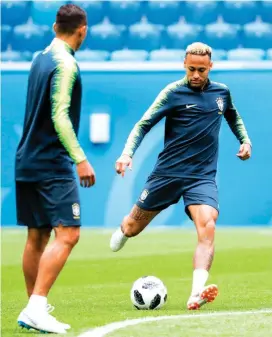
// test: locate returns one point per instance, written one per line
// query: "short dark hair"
(69, 18)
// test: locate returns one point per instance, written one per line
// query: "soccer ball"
(148, 292)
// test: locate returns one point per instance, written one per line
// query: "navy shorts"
(47, 203)
(161, 192)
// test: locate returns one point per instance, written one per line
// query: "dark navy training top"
(193, 120)
(49, 145)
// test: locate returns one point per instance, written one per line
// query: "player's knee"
(45, 237)
(38, 239)
(130, 227)
(206, 234)
(70, 236)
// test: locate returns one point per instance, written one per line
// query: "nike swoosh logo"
(190, 106)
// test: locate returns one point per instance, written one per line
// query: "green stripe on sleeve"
(152, 116)
(61, 90)
(236, 123)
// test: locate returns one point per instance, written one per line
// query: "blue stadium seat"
(144, 36)
(105, 36)
(92, 55)
(15, 56)
(222, 35)
(246, 54)
(15, 12)
(6, 33)
(181, 34)
(219, 55)
(266, 11)
(167, 55)
(258, 35)
(269, 54)
(124, 12)
(163, 12)
(95, 10)
(201, 12)
(240, 12)
(127, 55)
(30, 37)
(44, 12)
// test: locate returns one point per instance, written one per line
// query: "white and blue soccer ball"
(148, 293)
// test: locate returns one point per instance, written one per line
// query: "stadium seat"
(269, 54)
(144, 36)
(124, 12)
(92, 55)
(221, 35)
(44, 12)
(219, 55)
(167, 55)
(258, 35)
(201, 12)
(30, 37)
(181, 34)
(163, 12)
(15, 12)
(6, 33)
(240, 12)
(95, 11)
(106, 36)
(15, 56)
(246, 54)
(266, 11)
(127, 55)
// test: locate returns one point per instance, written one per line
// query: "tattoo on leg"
(139, 214)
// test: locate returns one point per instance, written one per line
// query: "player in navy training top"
(193, 108)
(46, 189)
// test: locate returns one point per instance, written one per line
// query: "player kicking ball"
(193, 107)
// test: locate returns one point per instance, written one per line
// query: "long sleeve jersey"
(49, 146)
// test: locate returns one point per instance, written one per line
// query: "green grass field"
(93, 289)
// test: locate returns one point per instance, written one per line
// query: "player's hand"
(244, 152)
(86, 174)
(122, 163)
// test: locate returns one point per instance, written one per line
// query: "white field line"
(106, 329)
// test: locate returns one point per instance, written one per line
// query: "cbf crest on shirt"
(220, 103)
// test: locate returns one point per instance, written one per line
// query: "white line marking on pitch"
(104, 330)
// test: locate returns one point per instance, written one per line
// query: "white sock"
(200, 277)
(37, 302)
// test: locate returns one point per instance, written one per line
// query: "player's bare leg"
(55, 257)
(204, 217)
(132, 225)
(52, 261)
(37, 240)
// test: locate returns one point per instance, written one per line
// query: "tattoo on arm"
(139, 214)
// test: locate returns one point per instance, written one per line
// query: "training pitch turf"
(93, 289)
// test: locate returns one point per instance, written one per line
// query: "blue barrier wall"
(244, 187)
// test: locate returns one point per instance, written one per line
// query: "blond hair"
(199, 48)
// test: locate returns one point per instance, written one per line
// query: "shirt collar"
(58, 42)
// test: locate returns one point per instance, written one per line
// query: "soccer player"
(46, 190)
(193, 108)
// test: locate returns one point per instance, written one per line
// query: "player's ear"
(184, 62)
(55, 27)
(83, 30)
(211, 65)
